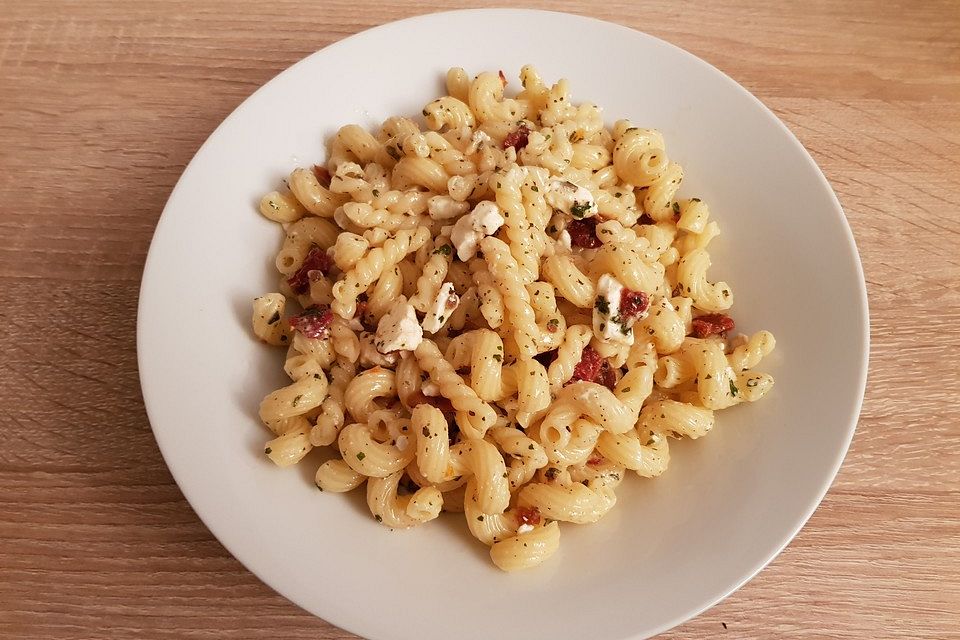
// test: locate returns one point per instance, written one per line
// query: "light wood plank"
(102, 104)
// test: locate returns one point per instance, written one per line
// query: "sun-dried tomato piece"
(583, 233)
(593, 368)
(323, 176)
(607, 377)
(712, 324)
(313, 322)
(517, 139)
(588, 368)
(528, 515)
(316, 260)
(646, 219)
(634, 304)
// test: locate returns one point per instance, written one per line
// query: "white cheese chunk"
(439, 312)
(398, 329)
(370, 357)
(565, 242)
(524, 528)
(469, 230)
(430, 388)
(445, 208)
(608, 324)
(402, 442)
(478, 139)
(571, 199)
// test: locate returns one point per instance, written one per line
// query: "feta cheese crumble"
(445, 208)
(439, 312)
(469, 230)
(608, 324)
(571, 199)
(479, 139)
(398, 329)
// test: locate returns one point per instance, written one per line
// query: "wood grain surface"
(102, 104)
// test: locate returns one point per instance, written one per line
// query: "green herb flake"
(733, 389)
(443, 250)
(268, 451)
(378, 517)
(676, 208)
(602, 305)
(361, 455)
(498, 357)
(275, 318)
(579, 209)
(296, 400)
(480, 518)
(425, 432)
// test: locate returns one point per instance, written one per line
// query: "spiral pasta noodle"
(497, 310)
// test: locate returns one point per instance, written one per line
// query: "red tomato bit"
(634, 304)
(593, 368)
(517, 139)
(313, 322)
(316, 260)
(712, 324)
(583, 233)
(588, 368)
(528, 515)
(607, 377)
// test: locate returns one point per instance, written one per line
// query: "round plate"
(673, 546)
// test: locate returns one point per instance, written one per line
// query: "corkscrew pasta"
(498, 310)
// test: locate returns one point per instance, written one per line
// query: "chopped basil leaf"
(602, 305)
(579, 209)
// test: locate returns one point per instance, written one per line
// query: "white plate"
(672, 546)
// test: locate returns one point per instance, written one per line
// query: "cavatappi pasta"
(504, 307)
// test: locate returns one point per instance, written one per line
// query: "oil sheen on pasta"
(497, 308)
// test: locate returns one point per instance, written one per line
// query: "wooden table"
(102, 104)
